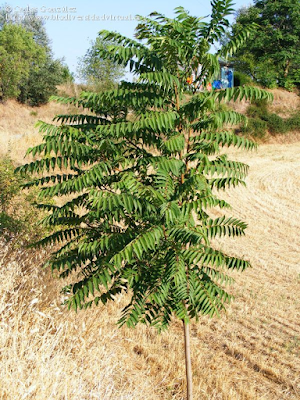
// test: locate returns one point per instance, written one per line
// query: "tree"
(18, 55)
(35, 79)
(142, 170)
(271, 56)
(27, 18)
(96, 72)
(32, 23)
(41, 83)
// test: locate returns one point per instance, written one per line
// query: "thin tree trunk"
(188, 363)
(287, 67)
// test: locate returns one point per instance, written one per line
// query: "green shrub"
(254, 112)
(289, 85)
(275, 123)
(262, 104)
(261, 120)
(241, 79)
(294, 122)
(17, 214)
(9, 183)
(41, 83)
(255, 128)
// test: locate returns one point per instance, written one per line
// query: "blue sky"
(72, 24)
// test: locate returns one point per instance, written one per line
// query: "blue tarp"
(226, 79)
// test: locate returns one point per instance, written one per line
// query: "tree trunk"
(188, 363)
(287, 67)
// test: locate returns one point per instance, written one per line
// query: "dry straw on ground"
(17, 125)
(252, 352)
(284, 103)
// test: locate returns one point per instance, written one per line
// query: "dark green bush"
(255, 128)
(257, 109)
(41, 83)
(261, 121)
(275, 123)
(241, 79)
(294, 122)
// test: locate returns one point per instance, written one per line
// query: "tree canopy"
(29, 71)
(271, 56)
(98, 73)
(19, 54)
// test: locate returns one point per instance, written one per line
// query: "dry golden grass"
(251, 352)
(284, 103)
(17, 126)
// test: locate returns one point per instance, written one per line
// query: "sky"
(71, 25)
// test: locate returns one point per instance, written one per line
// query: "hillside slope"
(17, 126)
(284, 103)
(18, 132)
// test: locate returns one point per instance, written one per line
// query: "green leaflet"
(174, 144)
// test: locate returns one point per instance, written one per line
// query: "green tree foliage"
(19, 53)
(27, 18)
(142, 170)
(98, 73)
(271, 57)
(35, 77)
(42, 81)
(32, 23)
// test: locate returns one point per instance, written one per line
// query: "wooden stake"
(188, 363)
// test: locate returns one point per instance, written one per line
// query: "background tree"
(37, 78)
(19, 54)
(98, 73)
(143, 171)
(42, 81)
(271, 56)
(29, 20)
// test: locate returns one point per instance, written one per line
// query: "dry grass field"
(284, 103)
(251, 352)
(17, 124)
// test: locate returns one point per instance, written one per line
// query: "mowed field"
(251, 352)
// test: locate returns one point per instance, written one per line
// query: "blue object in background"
(217, 84)
(230, 78)
(227, 77)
